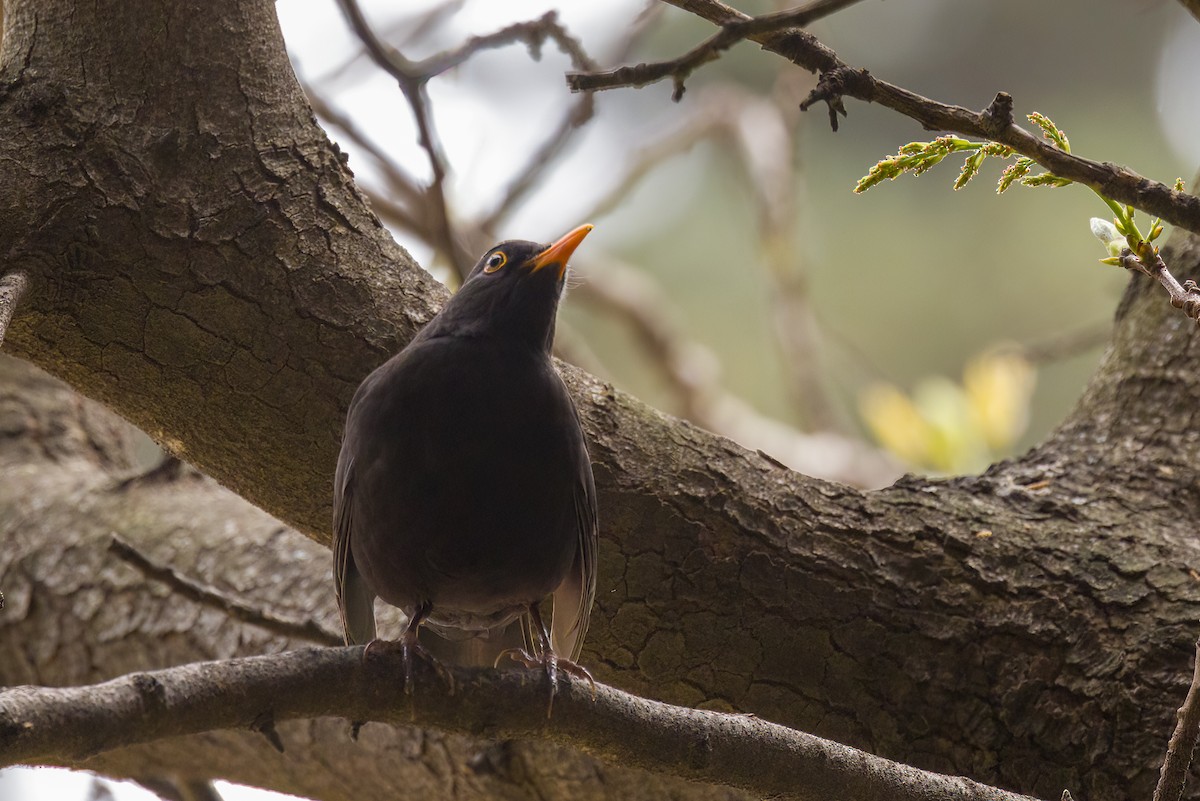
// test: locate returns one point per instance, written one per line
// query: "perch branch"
(74, 723)
(838, 81)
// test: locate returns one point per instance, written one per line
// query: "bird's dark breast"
(465, 492)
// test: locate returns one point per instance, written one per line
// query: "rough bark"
(202, 262)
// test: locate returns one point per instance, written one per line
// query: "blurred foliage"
(954, 428)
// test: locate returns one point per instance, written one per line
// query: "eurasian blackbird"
(464, 492)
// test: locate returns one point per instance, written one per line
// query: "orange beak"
(560, 251)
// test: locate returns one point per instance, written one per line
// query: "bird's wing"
(356, 602)
(574, 597)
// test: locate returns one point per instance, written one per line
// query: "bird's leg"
(408, 644)
(547, 659)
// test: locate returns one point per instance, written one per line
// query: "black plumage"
(464, 492)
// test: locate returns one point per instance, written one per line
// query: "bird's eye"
(495, 262)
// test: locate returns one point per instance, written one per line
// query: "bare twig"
(706, 119)
(402, 32)
(681, 68)
(767, 140)
(1185, 296)
(554, 145)
(412, 81)
(766, 759)
(533, 34)
(1173, 776)
(1066, 345)
(400, 182)
(206, 595)
(838, 80)
(412, 78)
(689, 368)
(692, 372)
(13, 287)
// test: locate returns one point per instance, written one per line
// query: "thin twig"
(206, 595)
(13, 287)
(838, 80)
(533, 34)
(412, 81)
(412, 78)
(1067, 344)
(1173, 776)
(1185, 296)
(402, 32)
(731, 33)
(689, 368)
(767, 138)
(706, 119)
(554, 145)
(692, 372)
(400, 182)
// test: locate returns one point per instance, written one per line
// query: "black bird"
(464, 492)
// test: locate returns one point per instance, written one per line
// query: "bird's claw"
(550, 663)
(408, 647)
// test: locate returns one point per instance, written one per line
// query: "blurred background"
(734, 278)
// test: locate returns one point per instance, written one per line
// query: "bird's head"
(512, 292)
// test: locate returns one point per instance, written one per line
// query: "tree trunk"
(203, 264)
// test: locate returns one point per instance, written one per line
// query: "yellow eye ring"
(495, 262)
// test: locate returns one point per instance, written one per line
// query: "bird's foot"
(551, 663)
(407, 648)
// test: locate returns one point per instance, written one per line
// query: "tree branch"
(1173, 776)
(412, 77)
(736, 750)
(838, 80)
(1185, 296)
(681, 68)
(412, 80)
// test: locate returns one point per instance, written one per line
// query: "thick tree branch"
(736, 750)
(838, 80)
